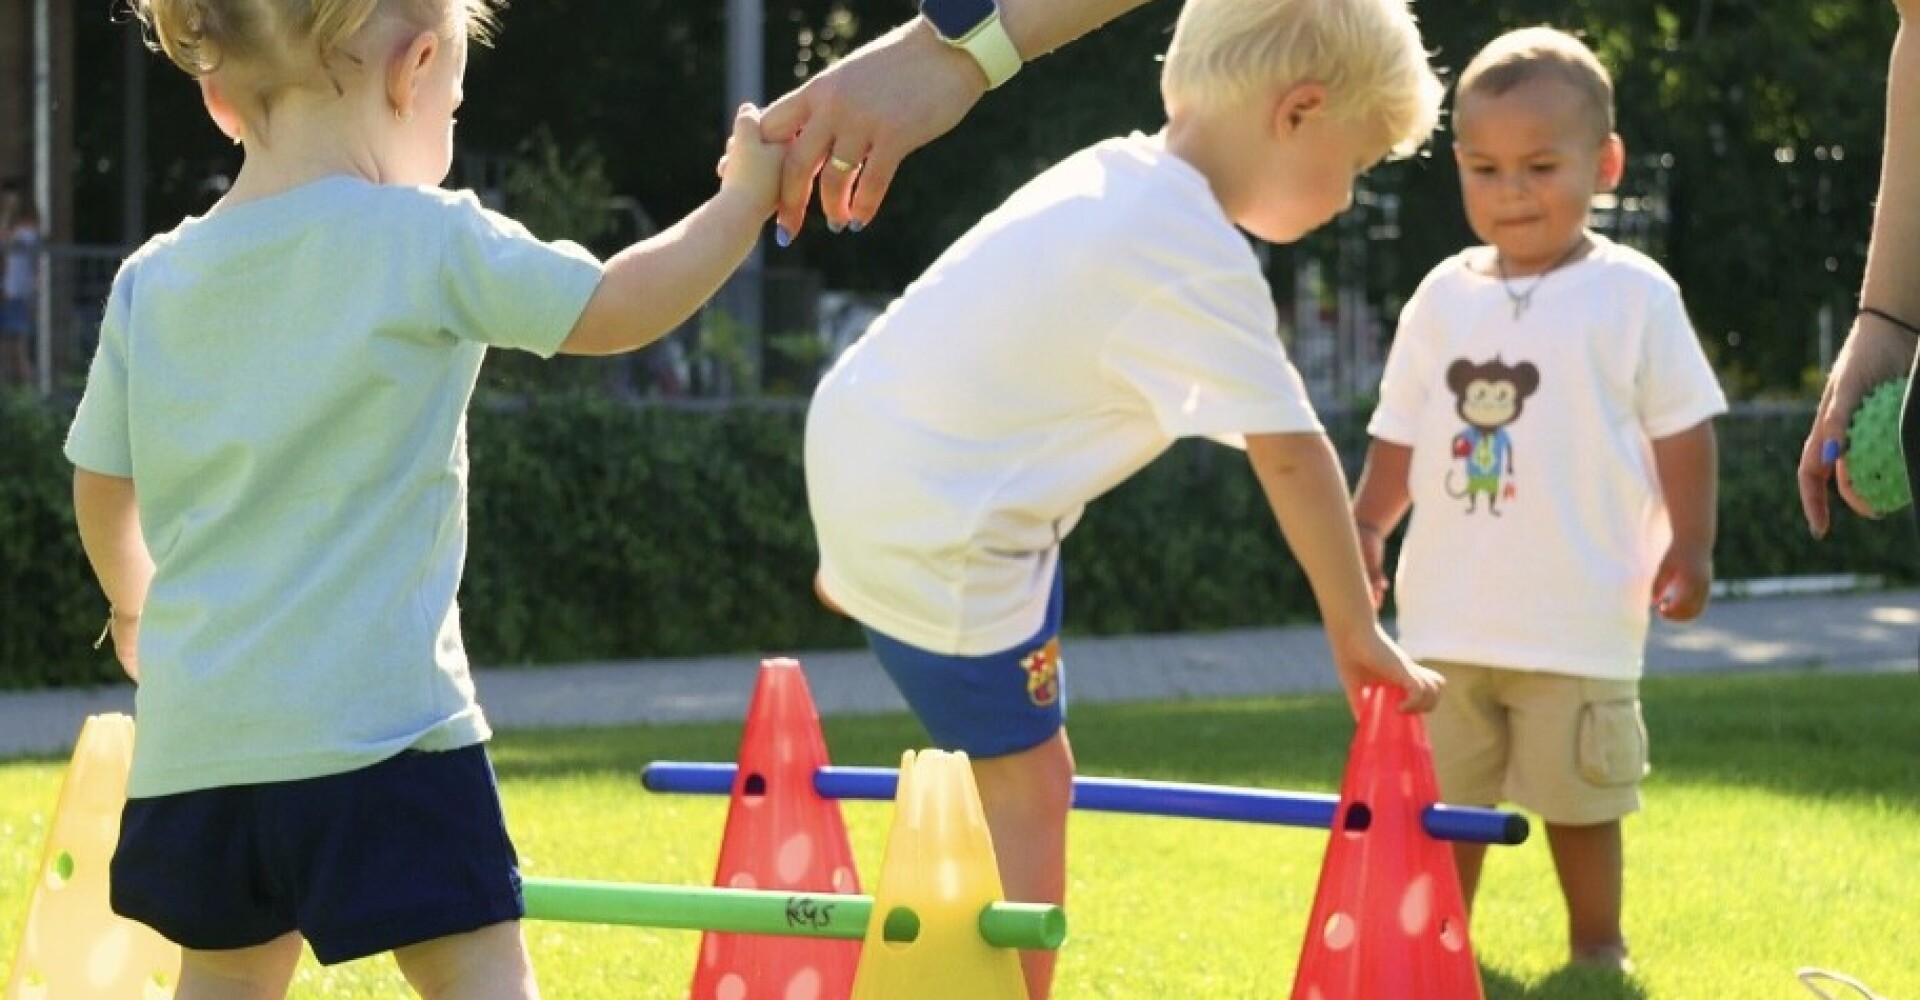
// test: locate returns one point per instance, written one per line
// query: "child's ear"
(1297, 104)
(225, 116)
(406, 69)
(1613, 164)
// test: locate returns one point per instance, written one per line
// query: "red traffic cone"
(780, 835)
(1389, 922)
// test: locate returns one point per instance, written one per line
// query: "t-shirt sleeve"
(98, 440)
(1405, 382)
(1677, 387)
(502, 286)
(1206, 355)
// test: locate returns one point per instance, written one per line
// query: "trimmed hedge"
(605, 531)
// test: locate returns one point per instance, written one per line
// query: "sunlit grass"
(1782, 829)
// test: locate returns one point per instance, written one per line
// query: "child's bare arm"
(109, 522)
(1379, 502)
(650, 288)
(1304, 485)
(1687, 463)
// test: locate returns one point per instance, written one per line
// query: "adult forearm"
(109, 521)
(1893, 255)
(1688, 466)
(1040, 26)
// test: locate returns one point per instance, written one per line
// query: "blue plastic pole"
(1125, 795)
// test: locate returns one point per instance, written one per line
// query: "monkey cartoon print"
(1487, 395)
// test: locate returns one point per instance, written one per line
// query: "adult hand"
(1875, 351)
(852, 124)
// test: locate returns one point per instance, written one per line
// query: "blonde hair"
(1542, 53)
(276, 44)
(1367, 53)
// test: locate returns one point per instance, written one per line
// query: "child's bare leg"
(1468, 859)
(1590, 861)
(258, 973)
(488, 964)
(1026, 797)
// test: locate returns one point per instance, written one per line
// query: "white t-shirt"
(1567, 399)
(1107, 309)
(286, 381)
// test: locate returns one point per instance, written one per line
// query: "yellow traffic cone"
(74, 946)
(939, 873)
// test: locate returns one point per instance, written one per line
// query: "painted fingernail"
(835, 227)
(782, 236)
(1830, 452)
(855, 225)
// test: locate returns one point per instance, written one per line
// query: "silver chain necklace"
(1521, 300)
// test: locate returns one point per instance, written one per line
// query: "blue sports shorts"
(989, 706)
(405, 851)
(16, 317)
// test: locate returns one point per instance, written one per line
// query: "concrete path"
(1877, 631)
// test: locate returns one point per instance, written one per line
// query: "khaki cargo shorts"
(1571, 749)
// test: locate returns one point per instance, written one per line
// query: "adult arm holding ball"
(1881, 345)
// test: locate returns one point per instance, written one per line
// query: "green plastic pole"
(758, 911)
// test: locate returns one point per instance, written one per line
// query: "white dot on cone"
(1340, 932)
(805, 985)
(1416, 907)
(796, 853)
(731, 987)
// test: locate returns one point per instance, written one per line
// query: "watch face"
(956, 19)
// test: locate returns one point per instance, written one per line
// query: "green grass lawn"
(1782, 829)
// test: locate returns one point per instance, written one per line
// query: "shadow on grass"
(1567, 983)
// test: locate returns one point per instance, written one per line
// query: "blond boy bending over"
(1108, 308)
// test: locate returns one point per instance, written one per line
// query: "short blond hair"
(1367, 53)
(1527, 55)
(265, 48)
(285, 40)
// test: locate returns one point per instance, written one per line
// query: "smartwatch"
(974, 27)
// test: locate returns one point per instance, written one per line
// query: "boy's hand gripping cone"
(780, 835)
(939, 873)
(74, 946)
(1389, 921)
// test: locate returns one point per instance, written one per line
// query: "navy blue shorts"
(992, 705)
(410, 849)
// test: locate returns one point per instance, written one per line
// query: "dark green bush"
(602, 531)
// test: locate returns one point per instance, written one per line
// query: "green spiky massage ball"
(1874, 460)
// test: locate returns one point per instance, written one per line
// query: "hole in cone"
(1358, 818)
(755, 786)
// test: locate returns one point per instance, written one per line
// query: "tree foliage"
(1769, 114)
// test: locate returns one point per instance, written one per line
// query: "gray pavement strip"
(1869, 631)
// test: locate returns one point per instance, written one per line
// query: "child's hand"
(1373, 556)
(1369, 656)
(751, 168)
(1680, 587)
